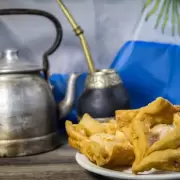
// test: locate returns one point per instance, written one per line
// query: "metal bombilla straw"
(79, 32)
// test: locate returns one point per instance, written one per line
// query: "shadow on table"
(99, 177)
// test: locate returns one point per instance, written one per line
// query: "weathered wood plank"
(58, 164)
(46, 172)
(63, 154)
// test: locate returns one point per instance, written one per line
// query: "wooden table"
(58, 164)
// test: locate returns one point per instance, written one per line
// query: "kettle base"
(31, 146)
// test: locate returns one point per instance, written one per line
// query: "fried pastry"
(176, 120)
(110, 150)
(124, 121)
(147, 137)
(168, 160)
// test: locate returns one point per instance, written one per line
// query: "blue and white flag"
(149, 63)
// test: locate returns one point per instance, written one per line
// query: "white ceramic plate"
(124, 174)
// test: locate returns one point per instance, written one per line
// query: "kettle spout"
(65, 106)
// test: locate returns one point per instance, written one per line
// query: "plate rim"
(120, 175)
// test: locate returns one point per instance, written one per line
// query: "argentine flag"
(149, 63)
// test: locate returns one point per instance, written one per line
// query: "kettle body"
(28, 115)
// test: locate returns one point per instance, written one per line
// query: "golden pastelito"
(146, 138)
(102, 143)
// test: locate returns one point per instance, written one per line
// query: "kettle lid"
(11, 63)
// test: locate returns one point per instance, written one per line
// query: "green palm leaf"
(164, 13)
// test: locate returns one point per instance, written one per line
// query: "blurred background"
(108, 24)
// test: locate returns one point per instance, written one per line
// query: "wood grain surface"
(58, 164)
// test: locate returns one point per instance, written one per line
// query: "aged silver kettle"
(28, 112)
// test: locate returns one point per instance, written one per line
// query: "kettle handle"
(59, 32)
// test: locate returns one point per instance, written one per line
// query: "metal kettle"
(28, 112)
